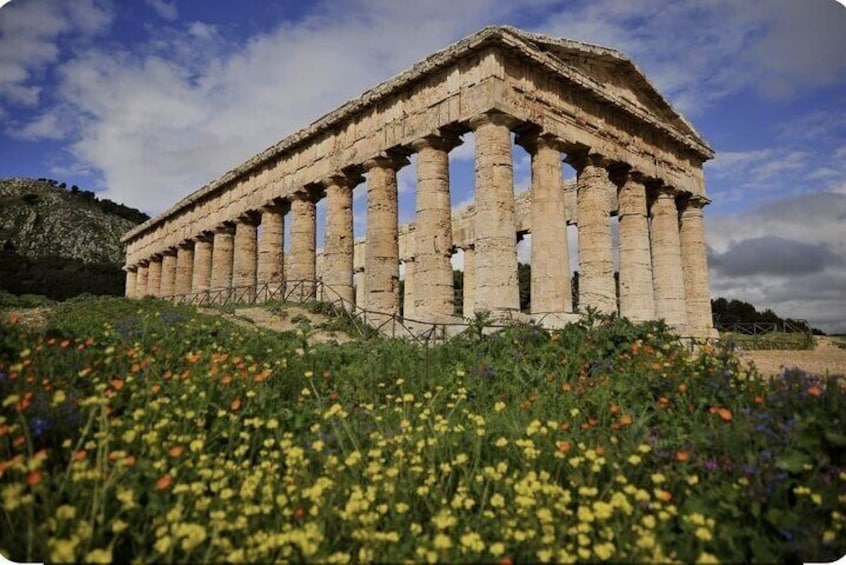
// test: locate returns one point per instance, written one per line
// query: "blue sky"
(145, 101)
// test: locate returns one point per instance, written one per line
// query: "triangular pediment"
(614, 74)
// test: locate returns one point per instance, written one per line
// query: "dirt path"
(290, 320)
(826, 358)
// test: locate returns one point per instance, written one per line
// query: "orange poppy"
(34, 478)
(164, 482)
(681, 456)
(236, 405)
(176, 451)
(117, 384)
(724, 413)
(626, 419)
(563, 446)
(815, 391)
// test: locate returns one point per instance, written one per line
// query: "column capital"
(442, 141)
(621, 173)
(143, 264)
(582, 159)
(493, 117)
(386, 161)
(660, 190)
(227, 228)
(204, 237)
(301, 195)
(697, 200)
(155, 257)
(186, 244)
(130, 268)
(169, 252)
(342, 179)
(250, 218)
(276, 207)
(535, 138)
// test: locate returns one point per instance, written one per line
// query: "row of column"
(663, 268)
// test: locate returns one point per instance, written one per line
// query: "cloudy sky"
(144, 101)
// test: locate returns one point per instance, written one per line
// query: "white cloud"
(697, 52)
(166, 11)
(182, 108)
(30, 35)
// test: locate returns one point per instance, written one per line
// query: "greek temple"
(635, 158)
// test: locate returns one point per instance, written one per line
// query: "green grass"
(771, 340)
(140, 431)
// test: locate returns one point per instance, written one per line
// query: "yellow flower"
(704, 534)
(499, 406)
(65, 512)
(707, 558)
(99, 556)
(62, 550)
(442, 541)
(658, 478)
(498, 501)
(604, 550)
(501, 442)
(634, 459)
(402, 508)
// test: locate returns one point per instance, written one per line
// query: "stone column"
(141, 280)
(301, 254)
(381, 259)
(497, 290)
(694, 257)
(667, 278)
(339, 240)
(550, 252)
(245, 261)
(271, 253)
(359, 288)
(168, 287)
(184, 267)
(469, 293)
(202, 273)
(131, 280)
(222, 257)
(409, 297)
(636, 294)
(154, 277)
(429, 274)
(596, 262)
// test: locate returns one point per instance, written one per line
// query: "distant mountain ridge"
(40, 218)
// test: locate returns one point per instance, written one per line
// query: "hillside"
(39, 219)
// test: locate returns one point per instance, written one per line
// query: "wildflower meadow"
(138, 431)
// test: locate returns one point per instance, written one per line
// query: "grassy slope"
(181, 437)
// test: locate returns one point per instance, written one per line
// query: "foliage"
(137, 430)
(58, 278)
(770, 340)
(23, 301)
(132, 214)
(735, 311)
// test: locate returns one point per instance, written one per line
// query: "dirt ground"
(826, 358)
(259, 317)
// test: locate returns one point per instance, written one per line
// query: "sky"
(145, 101)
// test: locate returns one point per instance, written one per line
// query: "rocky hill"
(40, 219)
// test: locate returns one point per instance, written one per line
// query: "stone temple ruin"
(635, 157)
